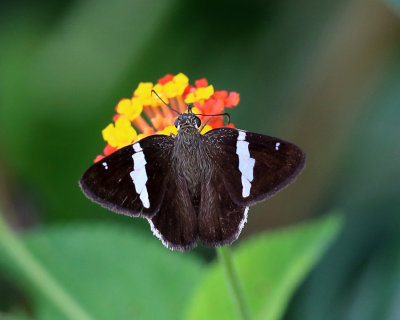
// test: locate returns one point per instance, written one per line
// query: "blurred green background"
(323, 74)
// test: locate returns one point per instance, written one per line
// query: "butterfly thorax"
(190, 160)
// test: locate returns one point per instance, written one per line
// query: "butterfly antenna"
(152, 91)
(225, 114)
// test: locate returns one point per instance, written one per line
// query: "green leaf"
(270, 267)
(110, 271)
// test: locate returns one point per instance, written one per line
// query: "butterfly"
(193, 186)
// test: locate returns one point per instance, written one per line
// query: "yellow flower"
(181, 82)
(200, 94)
(159, 89)
(204, 93)
(120, 135)
(176, 86)
(143, 92)
(130, 108)
(141, 136)
(206, 129)
(167, 130)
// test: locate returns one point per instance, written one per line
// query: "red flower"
(201, 83)
(166, 78)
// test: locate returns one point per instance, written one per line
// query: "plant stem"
(34, 272)
(236, 290)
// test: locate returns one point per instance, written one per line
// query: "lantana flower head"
(145, 114)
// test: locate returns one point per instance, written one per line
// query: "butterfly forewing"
(131, 180)
(253, 166)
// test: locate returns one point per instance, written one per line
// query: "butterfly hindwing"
(132, 180)
(220, 219)
(175, 224)
(253, 166)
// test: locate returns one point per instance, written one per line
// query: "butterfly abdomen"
(190, 160)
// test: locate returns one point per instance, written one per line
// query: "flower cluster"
(145, 114)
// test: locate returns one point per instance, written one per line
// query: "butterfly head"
(188, 119)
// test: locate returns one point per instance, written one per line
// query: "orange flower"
(145, 114)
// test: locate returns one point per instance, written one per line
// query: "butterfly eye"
(176, 123)
(198, 122)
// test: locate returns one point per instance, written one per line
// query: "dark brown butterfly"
(193, 186)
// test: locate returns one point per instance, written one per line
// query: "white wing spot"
(244, 220)
(277, 145)
(246, 163)
(144, 197)
(139, 174)
(246, 184)
(105, 165)
(137, 147)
